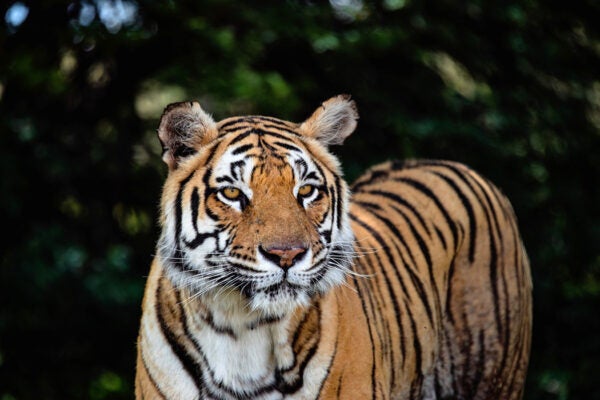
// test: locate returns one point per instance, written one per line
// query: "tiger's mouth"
(276, 290)
(266, 287)
(283, 283)
(279, 297)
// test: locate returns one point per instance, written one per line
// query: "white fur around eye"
(307, 199)
(238, 204)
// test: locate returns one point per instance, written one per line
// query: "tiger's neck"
(231, 353)
(243, 348)
(236, 350)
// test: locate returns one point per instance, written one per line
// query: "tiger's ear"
(333, 122)
(184, 128)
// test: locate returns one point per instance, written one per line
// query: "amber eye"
(231, 193)
(305, 190)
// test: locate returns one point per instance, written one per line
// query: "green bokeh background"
(511, 88)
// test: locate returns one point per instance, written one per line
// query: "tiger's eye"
(231, 193)
(305, 190)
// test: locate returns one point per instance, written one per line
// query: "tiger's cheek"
(227, 222)
(223, 214)
(246, 237)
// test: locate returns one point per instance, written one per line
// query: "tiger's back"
(448, 293)
(256, 293)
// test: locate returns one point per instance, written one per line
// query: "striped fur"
(415, 287)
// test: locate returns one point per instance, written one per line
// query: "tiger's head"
(253, 207)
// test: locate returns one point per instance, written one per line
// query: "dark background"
(510, 87)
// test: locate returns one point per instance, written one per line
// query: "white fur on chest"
(245, 360)
(241, 349)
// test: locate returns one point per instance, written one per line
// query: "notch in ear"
(183, 129)
(333, 122)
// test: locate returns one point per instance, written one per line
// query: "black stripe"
(177, 255)
(494, 262)
(189, 364)
(369, 294)
(207, 192)
(466, 349)
(287, 388)
(367, 204)
(364, 308)
(392, 294)
(429, 193)
(506, 334)
(233, 122)
(284, 386)
(271, 119)
(221, 179)
(454, 379)
(417, 382)
(235, 167)
(338, 203)
(242, 149)
(451, 270)
(250, 121)
(302, 166)
(479, 366)
(335, 348)
(243, 267)
(517, 264)
(521, 347)
(241, 136)
(183, 151)
(382, 305)
(396, 198)
(219, 385)
(441, 237)
(318, 164)
(263, 321)
(213, 151)
(297, 335)
(339, 388)
(426, 254)
(415, 279)
(311, 175)
(200, 239)
(468, 208)
(223, 330)
(263, 132)
(179, 205)
(195, 208)
(373, 177)
(280, 128)
(288, 146)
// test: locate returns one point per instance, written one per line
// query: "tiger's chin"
(286, 296)
(280, 299)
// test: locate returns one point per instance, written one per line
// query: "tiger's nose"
(283, 256)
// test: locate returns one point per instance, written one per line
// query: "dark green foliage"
(511, 88)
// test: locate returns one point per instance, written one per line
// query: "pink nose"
(285, 257)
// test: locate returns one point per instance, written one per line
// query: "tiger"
(275, 279)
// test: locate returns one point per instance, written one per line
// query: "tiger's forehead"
(265, 140)
(246, 143)
(252, 149)
(256, 122)
(248, 154)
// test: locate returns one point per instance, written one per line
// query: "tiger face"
(254, 208)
